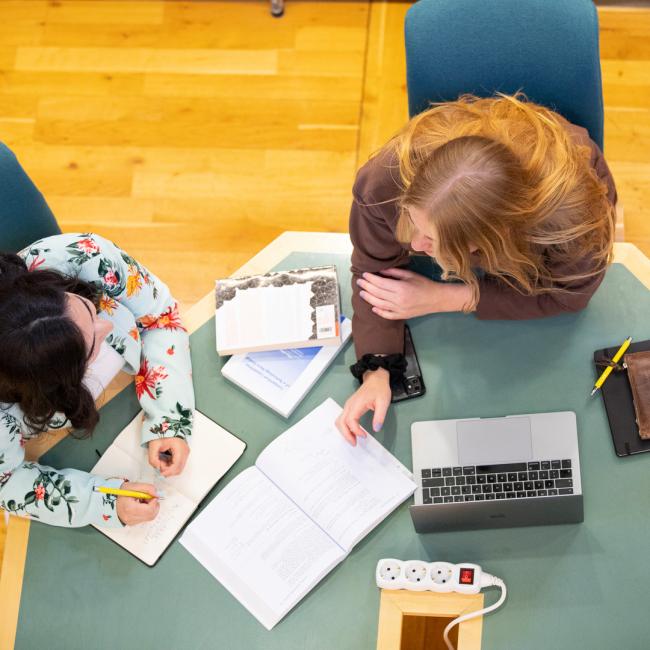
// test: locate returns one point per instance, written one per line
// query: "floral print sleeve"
(150, 337)
(147, 328)
(62, 497)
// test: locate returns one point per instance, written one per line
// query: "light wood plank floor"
(195, 132)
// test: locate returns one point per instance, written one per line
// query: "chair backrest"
(546, 48)
(24, 214)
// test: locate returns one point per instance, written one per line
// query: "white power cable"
(487, 580)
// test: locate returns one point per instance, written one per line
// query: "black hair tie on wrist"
(395, 364)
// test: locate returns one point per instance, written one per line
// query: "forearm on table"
(165, 391)
(373, 334)
(452, 297)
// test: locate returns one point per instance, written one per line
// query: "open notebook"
(279, 527)
(213, 452)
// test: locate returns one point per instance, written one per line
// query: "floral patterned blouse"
(148, 334)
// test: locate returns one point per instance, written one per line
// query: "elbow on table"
(577, 302)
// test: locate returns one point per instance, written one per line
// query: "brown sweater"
(373, 220)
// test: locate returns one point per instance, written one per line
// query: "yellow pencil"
(615, 359)
(118, 492)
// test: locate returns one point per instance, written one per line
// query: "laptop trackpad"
(498, 440)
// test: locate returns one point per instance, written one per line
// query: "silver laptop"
(521, 470)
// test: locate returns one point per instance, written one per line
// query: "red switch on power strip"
(466, 576)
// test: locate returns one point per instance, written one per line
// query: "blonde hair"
(503, 175)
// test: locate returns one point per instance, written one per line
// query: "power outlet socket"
(441, 574)
(416, 575)
(389, 572)
(416, 572)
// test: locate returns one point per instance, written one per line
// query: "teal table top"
(570, 586)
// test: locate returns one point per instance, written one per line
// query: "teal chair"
(24, 214)
(546, 48)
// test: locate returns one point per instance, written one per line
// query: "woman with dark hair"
(74, 310)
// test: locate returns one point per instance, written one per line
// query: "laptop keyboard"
(546, 478)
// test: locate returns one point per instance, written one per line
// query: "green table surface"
(570, 586)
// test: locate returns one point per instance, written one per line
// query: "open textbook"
(277, 311)
(213, 452)
(279, 527)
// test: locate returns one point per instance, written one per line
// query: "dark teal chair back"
(546, 48)
(24, 214)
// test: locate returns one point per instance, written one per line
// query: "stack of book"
(283, 329)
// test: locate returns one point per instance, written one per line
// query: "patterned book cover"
(285, 309)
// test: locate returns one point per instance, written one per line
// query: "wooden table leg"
(13, 565)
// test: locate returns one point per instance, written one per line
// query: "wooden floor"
(193, 133)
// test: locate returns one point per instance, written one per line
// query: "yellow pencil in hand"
(118, 492)
(615, 359)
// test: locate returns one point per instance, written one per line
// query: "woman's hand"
(168, 455)
(133, 511)
(373, 395)
(405, 294)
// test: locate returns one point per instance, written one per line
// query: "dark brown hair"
(43, 355)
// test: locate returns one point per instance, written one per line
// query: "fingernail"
(377, 426)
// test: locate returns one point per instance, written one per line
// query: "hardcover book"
(276, 311)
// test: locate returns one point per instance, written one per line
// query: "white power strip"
(441, 577)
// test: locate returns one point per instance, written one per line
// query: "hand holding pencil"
(134, 510)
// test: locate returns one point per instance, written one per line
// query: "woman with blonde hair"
(514, 203)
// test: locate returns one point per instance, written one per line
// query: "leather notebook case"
(617, 394)
(638, 374)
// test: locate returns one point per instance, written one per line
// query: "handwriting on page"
(167, 521)
(148, 540)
